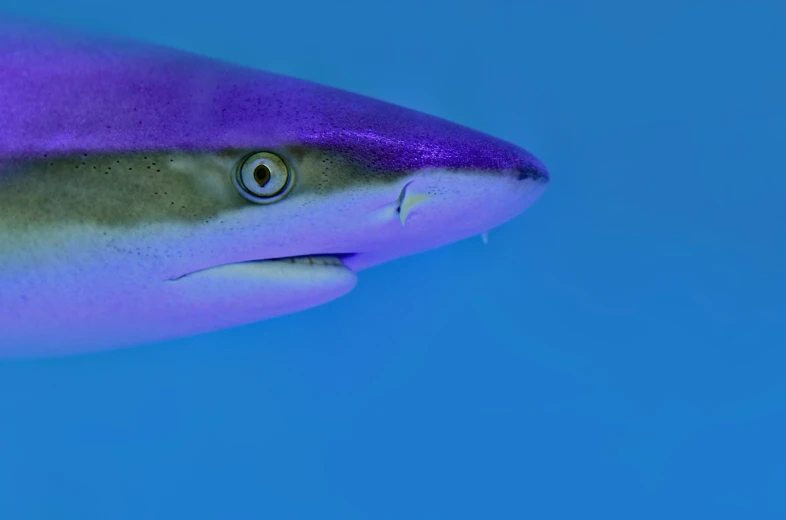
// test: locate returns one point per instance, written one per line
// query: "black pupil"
(262, 175)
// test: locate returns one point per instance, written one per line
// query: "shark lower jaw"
(103, 317)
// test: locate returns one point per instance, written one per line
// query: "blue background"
(616, 352)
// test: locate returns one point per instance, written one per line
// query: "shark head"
(156, 194)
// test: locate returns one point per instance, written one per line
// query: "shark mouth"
(317, 261)
(336, 259)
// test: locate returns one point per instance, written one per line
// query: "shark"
(148, 193)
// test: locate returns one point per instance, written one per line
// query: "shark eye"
(264, 177)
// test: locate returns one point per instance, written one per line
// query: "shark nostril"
(531, 173)
(401, 196)
(406, 201)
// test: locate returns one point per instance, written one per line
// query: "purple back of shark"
(64, 93)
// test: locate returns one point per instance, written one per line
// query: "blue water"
(616, 352)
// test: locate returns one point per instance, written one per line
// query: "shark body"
(147, 193)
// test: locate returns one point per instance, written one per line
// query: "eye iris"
(262, 175)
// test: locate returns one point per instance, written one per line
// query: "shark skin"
(148, 194)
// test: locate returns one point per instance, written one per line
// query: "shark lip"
(316, 260)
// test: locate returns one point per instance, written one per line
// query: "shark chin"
(203, 301)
